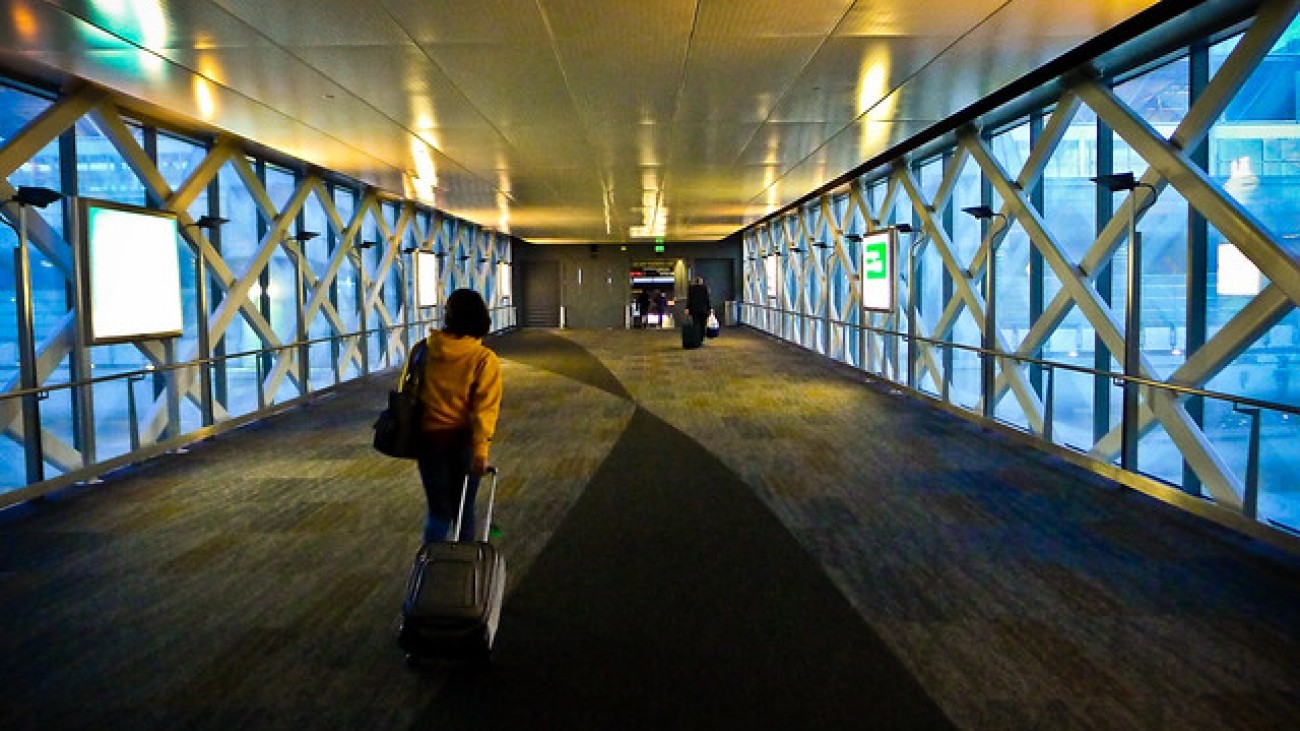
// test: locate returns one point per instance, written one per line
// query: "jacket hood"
(442, 345)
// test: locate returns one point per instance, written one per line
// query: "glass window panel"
(1008, 408)
(929, 176)
(1164, 282)
(177, 158)
(101, 170)
(1160, 96)
(1254, 147)
(1011, 149)
(1069, 196)
(280, 184)
(17, 109)
(1012, 279)
(51, 295)
(966, 231)
(1278, 465)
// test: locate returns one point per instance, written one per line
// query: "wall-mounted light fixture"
(208, 223)
(35, 196)
(1120, 183)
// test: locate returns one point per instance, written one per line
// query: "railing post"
(132, 414)
(27, 376)
(261, 390)
(171, 381)
(1250, 501)
(1049, 407)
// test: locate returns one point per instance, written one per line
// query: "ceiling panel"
(723, 86)
(308, 23)
(510, 85)
(705, 145)
(481, 21)
(768, 18)
(562, 120)
(936, 18)
(398, 81)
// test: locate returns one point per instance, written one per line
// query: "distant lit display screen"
(133, 274)
(426, 279)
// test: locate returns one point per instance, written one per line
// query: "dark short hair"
(466, 314)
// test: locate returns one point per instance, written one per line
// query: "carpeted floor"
(743, 536)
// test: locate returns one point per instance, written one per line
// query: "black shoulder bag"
(397, 431)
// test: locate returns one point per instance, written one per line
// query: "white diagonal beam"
(1233, 221)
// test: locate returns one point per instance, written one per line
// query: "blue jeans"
(442, 471)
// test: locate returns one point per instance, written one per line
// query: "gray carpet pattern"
(743, 536)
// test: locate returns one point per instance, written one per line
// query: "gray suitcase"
(453, 597)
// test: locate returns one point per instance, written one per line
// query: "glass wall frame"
(270, 318)
(1216, 302)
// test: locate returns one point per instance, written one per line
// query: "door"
(541, 294)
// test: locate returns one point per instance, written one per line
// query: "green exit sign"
(659, 248)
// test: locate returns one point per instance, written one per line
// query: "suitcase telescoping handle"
(492, 498)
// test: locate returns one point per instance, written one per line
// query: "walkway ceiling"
(562, 120)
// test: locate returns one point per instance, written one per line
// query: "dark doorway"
(541, 294)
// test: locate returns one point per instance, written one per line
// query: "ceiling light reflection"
(25, 22)
(203, 98)
(424, 181)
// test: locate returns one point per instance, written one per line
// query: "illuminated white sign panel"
(771, 273)
(132, 273)
(878, 271)
(1237, 274)
(426, 279)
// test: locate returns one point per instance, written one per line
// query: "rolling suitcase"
(453, 597)
(691, 335)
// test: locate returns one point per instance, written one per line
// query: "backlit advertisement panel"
(131, 272)
(878, 271)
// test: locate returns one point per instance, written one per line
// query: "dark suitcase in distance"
(453, 597)
(692, 337)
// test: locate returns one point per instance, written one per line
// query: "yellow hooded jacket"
(460, 388)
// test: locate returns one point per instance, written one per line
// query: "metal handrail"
(1119, 378)
(45, 390)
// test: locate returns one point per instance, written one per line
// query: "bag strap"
(414, 372)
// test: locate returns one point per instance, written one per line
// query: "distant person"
(661, 307)
(643, 307)
(697, 303)
(460, 399)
